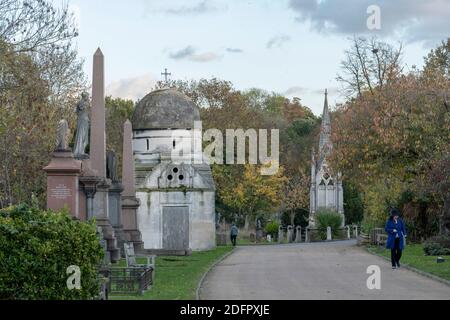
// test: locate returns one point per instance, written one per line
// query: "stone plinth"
(130, 203)
(62, 182)
(115, 212)
(129, 221)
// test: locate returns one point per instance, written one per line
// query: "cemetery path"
(335, 270)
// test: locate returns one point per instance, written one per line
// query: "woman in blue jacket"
(396, 231)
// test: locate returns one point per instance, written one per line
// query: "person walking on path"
(396, 231)
(234, 233)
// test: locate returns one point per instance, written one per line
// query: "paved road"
(312, 271)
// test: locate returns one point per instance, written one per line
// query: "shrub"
(272, 229)
(37, 247)
(438, 246)
(328, 218)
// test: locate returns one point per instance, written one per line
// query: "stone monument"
(130, 203)
(82, 133)
(62, 175)
(115, 198)
(326, 188)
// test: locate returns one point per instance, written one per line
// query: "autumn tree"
(369, 65)
(252, 193)
(117, 112)
(386, 140)
(40, 79)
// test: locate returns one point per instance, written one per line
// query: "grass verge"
(176, 278)
(414, 256)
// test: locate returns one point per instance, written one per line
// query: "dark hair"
(394, 213)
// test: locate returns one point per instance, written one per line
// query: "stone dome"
(165, 109)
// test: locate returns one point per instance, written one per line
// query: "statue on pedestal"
(82, 137)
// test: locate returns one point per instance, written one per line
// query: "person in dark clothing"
(234, 233)
(396, 231)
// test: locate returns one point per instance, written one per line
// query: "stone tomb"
(62, 182)
(177, 194)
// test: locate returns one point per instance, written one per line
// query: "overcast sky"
(293, 47)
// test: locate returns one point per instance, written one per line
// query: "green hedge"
(328, 218)
(272, 229)
(37, 247)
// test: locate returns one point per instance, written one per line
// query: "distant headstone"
(329, 235)
(355, 231)
(307, 239)
(269, 238)
(298, 234)
(290, 234)
(259, 231)
(349, 236)
(280, 234)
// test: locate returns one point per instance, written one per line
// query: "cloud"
(190, 53)
(183, 53)
(234, 50)
(296, 90)
(199, 8)
(132, 88)
(413, 20)
(277, 41)
(205, 57)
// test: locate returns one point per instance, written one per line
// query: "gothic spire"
(325, 133)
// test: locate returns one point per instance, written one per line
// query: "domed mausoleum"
(174, 184)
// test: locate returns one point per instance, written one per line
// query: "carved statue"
(111, 166)
(82, 137)
(62, 136)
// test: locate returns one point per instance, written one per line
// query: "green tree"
(117, 112)
(36, 249)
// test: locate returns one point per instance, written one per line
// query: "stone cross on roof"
(166, 74)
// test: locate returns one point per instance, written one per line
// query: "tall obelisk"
(98, 136)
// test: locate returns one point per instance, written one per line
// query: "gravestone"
(349, 236)
(280, 234)
(329, 234)
(62, 182)
(355, 231)
(290, 234)
(98, 155)
(62, 175)
(307, 239)
(298, 234)
(115, 198)
(259, 231)
(130, 203)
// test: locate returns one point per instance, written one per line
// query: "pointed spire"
(325, 134)
(98, 52)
